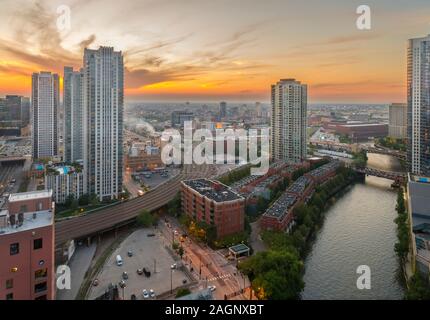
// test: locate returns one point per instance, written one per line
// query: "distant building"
(397, 127)
(356, 130)
(64, 181)
(27, 247)
(142, 157)
(179, 117)
(289, 121)
(45, 101)
(73, 115)
(419, 213)
(222, 110)
(419, 106)
(215, 204)
(14, 112)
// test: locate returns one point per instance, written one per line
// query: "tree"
(181, 251)
(419, 288)
(69, 201)
(182, 292)
(275, 275)
(84, 200)
(145, 219)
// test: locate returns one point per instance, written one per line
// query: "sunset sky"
(211, 50)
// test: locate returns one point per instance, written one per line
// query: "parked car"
(146, 272)
(118, 260)
(184, 281)
(151, 235)
(139, 271)
(130, 253)
(152, 293)
(145, 294)
(133, 297)
(212, 288)
(173, 266)
(125, 275)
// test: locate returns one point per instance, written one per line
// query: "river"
(358, 230)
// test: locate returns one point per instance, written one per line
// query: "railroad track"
(105, 219)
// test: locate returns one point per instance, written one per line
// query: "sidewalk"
(79, 265)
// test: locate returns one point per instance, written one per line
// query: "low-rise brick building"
(214, 203)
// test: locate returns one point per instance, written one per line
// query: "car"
(212, 288)
(173, 266)
(130, 253)
(125, 275)
(152, 293)
(184, 281)
(13, 181)
(151, 235)
(146, 272)
(95, 282)
(133, 297)
(122, 284)
(139, 271)
(145, 294)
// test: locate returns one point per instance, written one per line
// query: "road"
(209, 266)
(106, 219)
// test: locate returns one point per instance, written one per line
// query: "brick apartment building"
(214, 203)
(27, 247)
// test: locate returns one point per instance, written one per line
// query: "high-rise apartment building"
(73, 115)
(44, 104)
(289, 119)
(103, 78)
(419, 106)
(27, 247)
(398, 120)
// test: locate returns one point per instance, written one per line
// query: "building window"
(14, 248)
(38, 244)
(9, 296)
(40, 287)
(9, 284)
(43, 297)
(41, 273)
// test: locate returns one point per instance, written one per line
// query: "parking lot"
(146, 251)
(155, 178)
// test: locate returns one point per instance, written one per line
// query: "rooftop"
(30, 195)
(32, 220)
(213, 190)
(281, 206)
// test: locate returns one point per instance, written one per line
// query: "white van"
(118, 260)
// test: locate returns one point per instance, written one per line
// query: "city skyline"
(170, 58)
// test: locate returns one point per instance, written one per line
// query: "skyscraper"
(419, 106)
(289, 111)
(73, 115)
(103, 102)
(44, 104)
(398, 120)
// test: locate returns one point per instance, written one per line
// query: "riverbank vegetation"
(392, 143)
(418, 288)
(402, 246)
(278, 273)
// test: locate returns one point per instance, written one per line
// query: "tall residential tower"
(73, 115)
(289, 118)
(44, 104)
(103, 74)
(419, 106)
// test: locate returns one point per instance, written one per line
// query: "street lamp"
(171, 280)
(122, 285)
